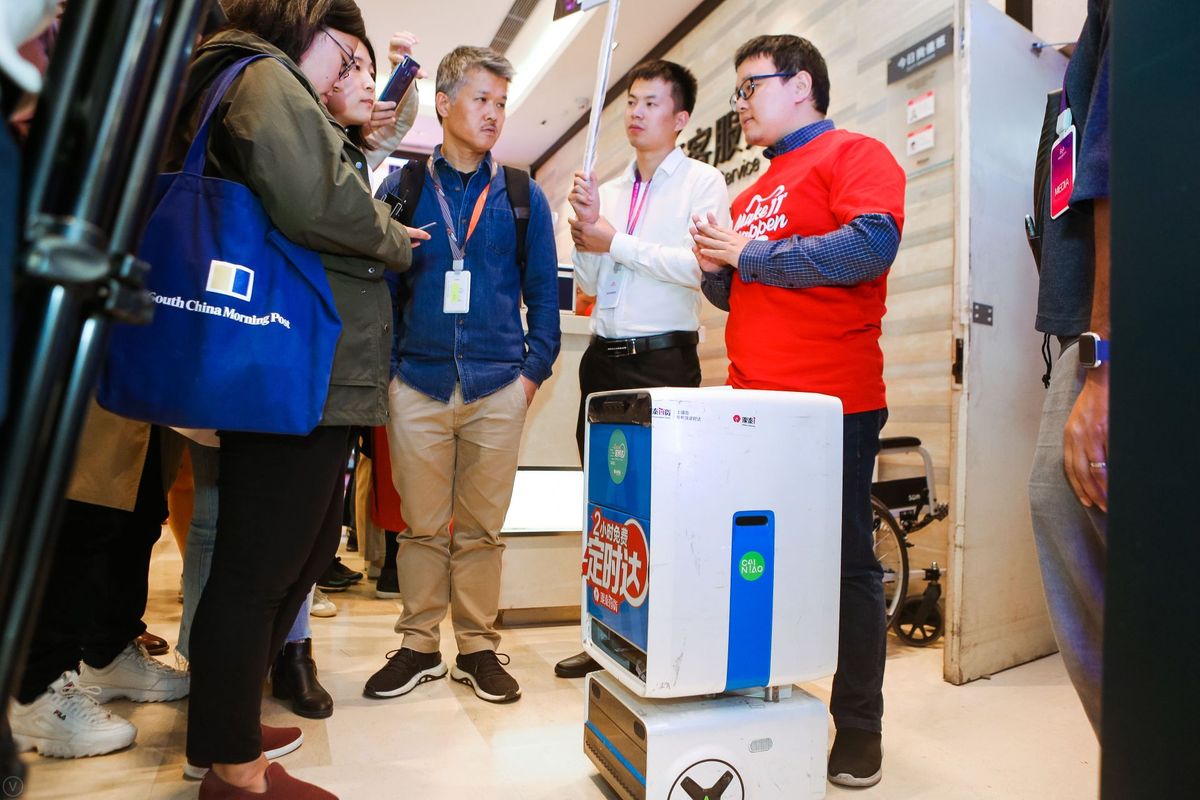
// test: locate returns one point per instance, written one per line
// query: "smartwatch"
(1093, 351)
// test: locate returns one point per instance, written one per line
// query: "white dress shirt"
(652, 274)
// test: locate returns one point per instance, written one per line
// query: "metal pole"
(603, 68)
(78, 274)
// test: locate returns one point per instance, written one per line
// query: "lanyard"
(636, 209)
(457, 250)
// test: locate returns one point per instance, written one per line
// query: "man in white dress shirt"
(633, 251)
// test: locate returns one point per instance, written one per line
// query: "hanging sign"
(921, 54)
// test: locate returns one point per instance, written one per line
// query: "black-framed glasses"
(746, 88)
(347, 65)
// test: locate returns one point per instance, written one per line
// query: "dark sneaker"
(387, 587)
(339, 570)
(406, 670)
(484, 672)
(856, 758)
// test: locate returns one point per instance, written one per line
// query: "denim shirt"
(487, 348)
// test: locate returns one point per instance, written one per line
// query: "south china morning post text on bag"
(233, 280)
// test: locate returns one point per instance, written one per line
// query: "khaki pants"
(370, 535)
(453, 461)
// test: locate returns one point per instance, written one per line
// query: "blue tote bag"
(244, 326)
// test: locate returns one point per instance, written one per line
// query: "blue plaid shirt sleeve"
(855, 253)
(716, 286)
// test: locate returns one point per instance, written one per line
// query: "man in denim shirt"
(464, 373)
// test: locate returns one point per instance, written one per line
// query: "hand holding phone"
(401, 80)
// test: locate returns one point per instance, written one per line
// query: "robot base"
(727, 747)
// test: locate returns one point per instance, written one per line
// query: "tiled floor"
(1021, 734)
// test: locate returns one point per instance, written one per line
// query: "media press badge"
(457, 297)
(1062, 166)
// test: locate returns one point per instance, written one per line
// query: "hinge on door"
(981, 314)
(957, 369)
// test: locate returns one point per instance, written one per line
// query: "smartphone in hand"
(402, 78)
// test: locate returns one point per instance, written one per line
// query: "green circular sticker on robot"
(618, 456)
(752, 566)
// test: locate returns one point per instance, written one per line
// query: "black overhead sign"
(921, 54)
(564, 8)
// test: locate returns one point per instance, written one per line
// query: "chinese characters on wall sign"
(719, 144)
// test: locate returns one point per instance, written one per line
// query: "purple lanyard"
(636, 209)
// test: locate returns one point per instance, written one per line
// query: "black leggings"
(277, 530)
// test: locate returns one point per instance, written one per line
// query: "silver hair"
(452, 72)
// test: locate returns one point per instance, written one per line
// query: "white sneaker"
(136, 676)
(67, 722)
(322, 606)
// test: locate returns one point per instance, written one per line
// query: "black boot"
(294, 677)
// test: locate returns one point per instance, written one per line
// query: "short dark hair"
(291, 25)
(680, 78)
(791, 54)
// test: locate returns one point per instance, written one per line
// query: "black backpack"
(412, 181)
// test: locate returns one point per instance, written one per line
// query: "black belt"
(619, 348)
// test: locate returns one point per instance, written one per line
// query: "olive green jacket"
(272, 133)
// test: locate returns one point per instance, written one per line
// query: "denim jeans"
(857, 698)
(202, 536)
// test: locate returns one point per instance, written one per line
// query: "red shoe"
(280, 786)
(276, 742)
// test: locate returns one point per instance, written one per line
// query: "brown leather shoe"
(576, 666)
(155, 645)
(280, 786)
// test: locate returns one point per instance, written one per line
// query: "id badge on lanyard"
(457, 296)
(1062, 165)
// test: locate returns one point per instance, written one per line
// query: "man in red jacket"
(803, 274)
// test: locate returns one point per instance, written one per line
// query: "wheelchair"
(899, 508)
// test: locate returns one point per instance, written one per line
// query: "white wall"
(1055, 20)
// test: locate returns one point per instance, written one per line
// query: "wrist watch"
(1093, 351)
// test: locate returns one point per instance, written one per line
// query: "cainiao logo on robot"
(752, 566)
(618, 456)
(617, 562)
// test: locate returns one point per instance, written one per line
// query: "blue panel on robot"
(619, 468)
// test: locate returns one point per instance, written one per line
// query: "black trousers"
(277, 530)
(674, 366)
(857, 697)
(96, 592)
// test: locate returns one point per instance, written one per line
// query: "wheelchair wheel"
(924, 634)
(892, 555)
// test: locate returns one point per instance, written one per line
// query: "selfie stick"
(603, 68)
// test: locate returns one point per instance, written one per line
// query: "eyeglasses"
(347, 65)
(746, 88)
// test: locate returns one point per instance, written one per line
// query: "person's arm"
(383, 142)
(716, 286)
(540, 291)
(675, 264)
(855, 253)
(291, 157)
(587, 270)
(1085, 437)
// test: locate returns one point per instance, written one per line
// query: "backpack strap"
(408, 192)
(516, 181)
